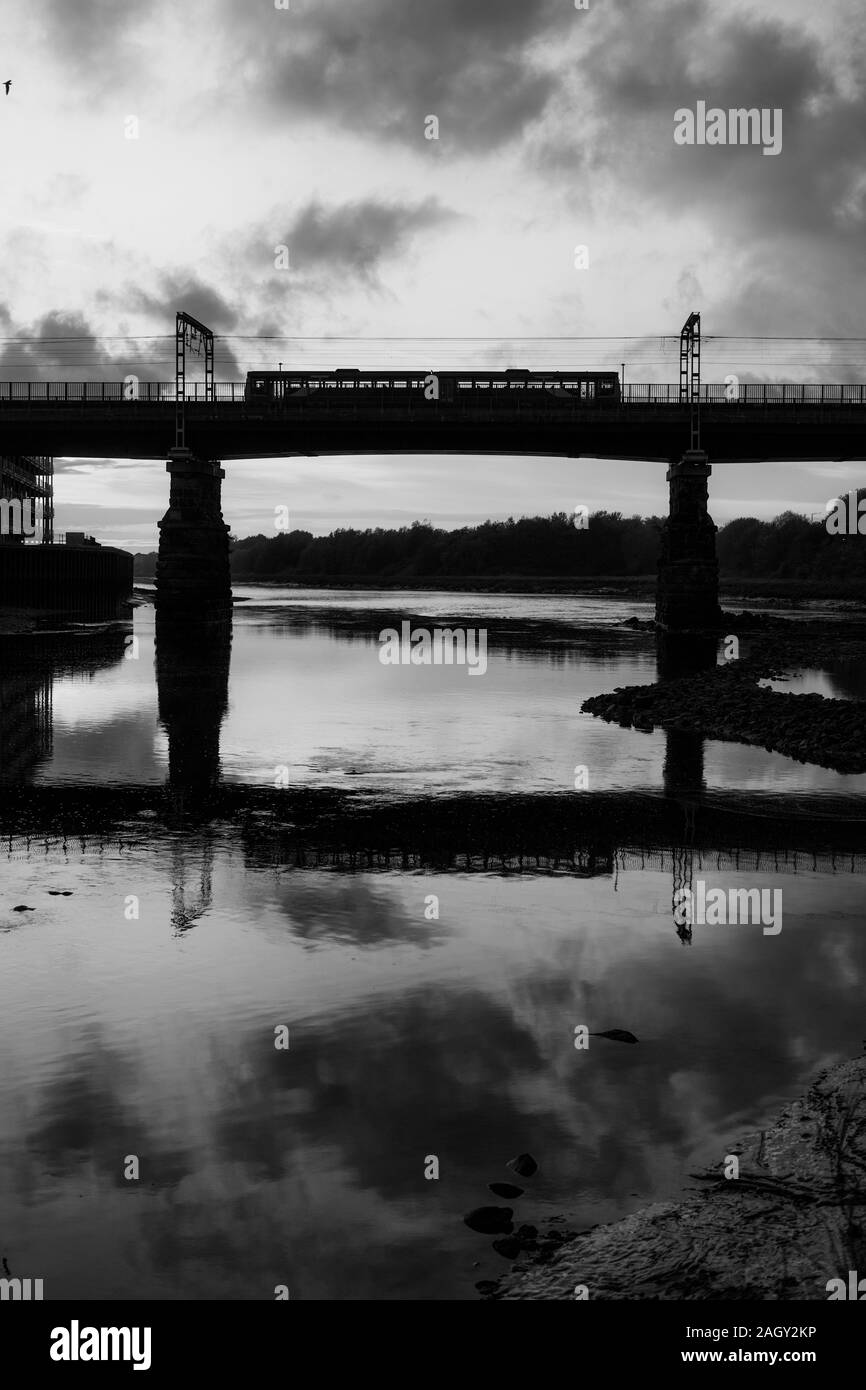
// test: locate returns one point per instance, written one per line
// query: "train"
(470, 389)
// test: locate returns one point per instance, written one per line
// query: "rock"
(526, 1232)
(487, 1286)
(508, 1247)
(524, 1165)
(490, 1220)
(505, 1189)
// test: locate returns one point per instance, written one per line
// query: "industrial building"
(27, 490)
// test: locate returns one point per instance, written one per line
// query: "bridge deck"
(730, 432)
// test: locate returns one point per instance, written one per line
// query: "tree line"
(788, 547)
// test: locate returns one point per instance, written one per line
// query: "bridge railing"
(232, 392)
(751, 393)
(96, 392)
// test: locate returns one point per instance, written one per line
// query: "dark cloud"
(60, 345)
(794, 218)
(358, 236)
(381, 66)
(188, 293)
(63, 345)
(102, 35)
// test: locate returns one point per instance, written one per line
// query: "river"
(156, 1142)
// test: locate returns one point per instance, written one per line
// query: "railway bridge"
(684, 425)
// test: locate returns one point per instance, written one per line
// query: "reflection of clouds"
(306, 1166)
(349, 910)
(86, 1118)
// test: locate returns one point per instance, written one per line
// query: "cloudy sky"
(154, 156)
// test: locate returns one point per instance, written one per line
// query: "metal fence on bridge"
(232, 392)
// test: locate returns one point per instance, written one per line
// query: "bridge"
(96, 420)
(483, 411)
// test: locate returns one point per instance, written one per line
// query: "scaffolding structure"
(27, 494)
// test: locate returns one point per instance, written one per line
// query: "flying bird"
(7, 85)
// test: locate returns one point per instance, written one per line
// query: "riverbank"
(789, 1223)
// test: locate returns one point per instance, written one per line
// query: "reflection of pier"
(192, 675)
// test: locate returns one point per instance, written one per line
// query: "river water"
(142, 998)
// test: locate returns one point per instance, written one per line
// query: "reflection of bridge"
(678, 829)
(589, 835)
(463, 833)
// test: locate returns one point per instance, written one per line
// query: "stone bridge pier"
(687, 589)
(193, 578)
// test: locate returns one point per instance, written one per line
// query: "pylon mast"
(690, 375)
(189, 331)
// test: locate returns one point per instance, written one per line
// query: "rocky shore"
(788, 1224)
(727, 702)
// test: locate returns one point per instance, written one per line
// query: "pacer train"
(477, 388)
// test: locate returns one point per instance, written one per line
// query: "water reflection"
(843, 680)
(29, 667)
(408, 1037)
(412, 1031)
(192, 677)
